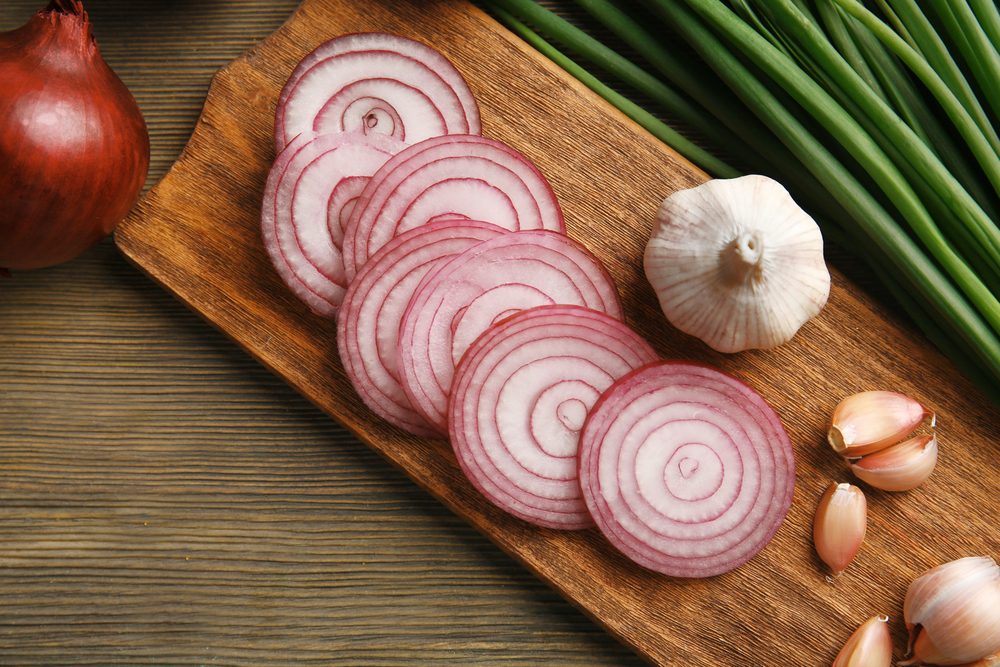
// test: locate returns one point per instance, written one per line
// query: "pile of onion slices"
(463, 309)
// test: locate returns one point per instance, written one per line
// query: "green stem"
(674, 104)
(904, 148)
(920, 116)
(989, 17)
(654, 126)
(836, 27)
(937, 69)
(769, 154)
(980, 56)
(772, 156)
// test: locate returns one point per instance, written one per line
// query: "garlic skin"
(737, 263)
(839, 526)
(900, 467)
(873, 420)
(953, 613)
(869, 646)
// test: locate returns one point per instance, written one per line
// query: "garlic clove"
(839, 525)
(953, 612)
(737, 263)
(873, 420)
(869, 646)
(900, 467)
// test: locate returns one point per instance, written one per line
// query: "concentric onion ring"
(519, 399)
(311, 187)
(368, 323)
(455, 303)
(375, 83)
(449, 177)
(686, 470)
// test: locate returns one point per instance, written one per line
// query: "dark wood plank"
(196, 233)
(166, 500)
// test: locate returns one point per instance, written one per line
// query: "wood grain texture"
(196, 233)
(164, 499)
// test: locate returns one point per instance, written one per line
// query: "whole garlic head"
(737, 263)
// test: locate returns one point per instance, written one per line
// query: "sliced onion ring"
(519, 399)
(686, 470)
(368, 322)
(375, 83)
(449, 177)
(311, 183)
(459, 300)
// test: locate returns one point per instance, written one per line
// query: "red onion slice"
(376, 83)
(519, 399)
(449, 177)
(368, 323)
(456, 302)
(313, 185)
(686, 470)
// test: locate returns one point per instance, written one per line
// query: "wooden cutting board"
(196, 233)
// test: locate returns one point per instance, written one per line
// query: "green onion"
(918, 114)
(718, 101)
(972, 42)
(989, 17)
(939, 72)
(653, 125)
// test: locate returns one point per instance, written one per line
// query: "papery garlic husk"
(869, 646)
(839, 526)
(872, 420)
(737, 263)
(900, 467)
(953, 612)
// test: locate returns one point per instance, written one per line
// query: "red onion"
(685, 470)
(375, 83)
(520, 397)
(459, 300)
(368, 322)
(311, 190)
(449, 177)
(74, 150)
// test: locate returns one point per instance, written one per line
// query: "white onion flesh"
(368, 322)
(312, 187)
(456, 176)
(686, 470)
(519, 399)
(376, 83)
(456, 302)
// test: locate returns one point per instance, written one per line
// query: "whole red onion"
(74, 150)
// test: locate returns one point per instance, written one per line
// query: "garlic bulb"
(953, 613)
(839, 526)
(869, 646)
(736, 263)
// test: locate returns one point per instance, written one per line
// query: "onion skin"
(74, 149)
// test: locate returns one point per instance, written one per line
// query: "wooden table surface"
(165, 500)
